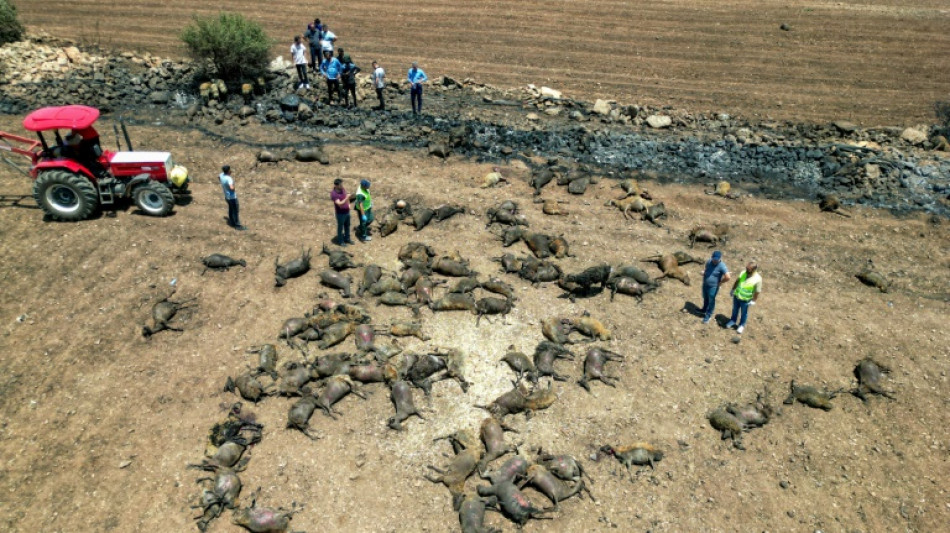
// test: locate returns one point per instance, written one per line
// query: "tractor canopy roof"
(74, 117)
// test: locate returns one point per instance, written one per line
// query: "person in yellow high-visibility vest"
(745, 291)
(364, 208)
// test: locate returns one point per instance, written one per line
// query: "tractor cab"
(78, 142)
(73, 175)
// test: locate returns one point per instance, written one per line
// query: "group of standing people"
(745, 291)
(340, 71)
(362, 202)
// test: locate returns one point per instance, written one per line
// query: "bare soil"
(97, 424)
(880, 64)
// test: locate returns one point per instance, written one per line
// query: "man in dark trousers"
(364, 208)
(230, 196)
(379, 83)
(349, 80)
(331, 68)
(715, 274)
(299, 53)
(416, 78)
(312, 35)
(341, 207)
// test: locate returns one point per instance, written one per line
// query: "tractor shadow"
(139, 213)
(22, 201)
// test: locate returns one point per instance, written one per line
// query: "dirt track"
(882, 64)
(81, 393)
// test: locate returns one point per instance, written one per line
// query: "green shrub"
(10, 28)
(237, 48)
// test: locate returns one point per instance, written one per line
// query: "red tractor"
(75, 176)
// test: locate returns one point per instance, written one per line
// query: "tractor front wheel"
(154, 199)
(65, 196)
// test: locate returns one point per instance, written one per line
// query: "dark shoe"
(240, 228)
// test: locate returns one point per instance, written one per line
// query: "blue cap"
(364, 184)
(717, 255)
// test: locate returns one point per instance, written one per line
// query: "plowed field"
(879, 63)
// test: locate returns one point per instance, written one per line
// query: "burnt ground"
(98, 423)
(880, 64)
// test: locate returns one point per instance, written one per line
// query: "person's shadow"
(693, 309)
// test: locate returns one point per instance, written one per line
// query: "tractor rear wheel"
(154, 199)
(65, 196)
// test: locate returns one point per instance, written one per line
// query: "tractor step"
(105, 186)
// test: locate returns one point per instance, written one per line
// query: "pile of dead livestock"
(315, 370)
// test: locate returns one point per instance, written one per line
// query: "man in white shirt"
(327, 38)
(299, 53)
(379, 83)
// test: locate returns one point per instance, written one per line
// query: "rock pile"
(889, 167)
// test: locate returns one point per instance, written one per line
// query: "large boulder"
(439, 150)
(159, 97)
(291, 102)
(73, 54)
(602, 107)
(280, 64)
(659, 121)
(846, 127)
(916, 135)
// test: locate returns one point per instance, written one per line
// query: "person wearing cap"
(341, 207)
(416, 78)
(364, 208)
(230, 196)
(745, 292)
(714, 274)
(348, 77)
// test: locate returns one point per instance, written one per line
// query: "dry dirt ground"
(97, 424)
(876, 63)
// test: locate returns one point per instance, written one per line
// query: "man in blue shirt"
(416, 78)
(331, 68)
(715, 274)
(312, 35)
(230, 196)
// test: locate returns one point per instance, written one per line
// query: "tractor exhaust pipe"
(118, 143)
(125, 133)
